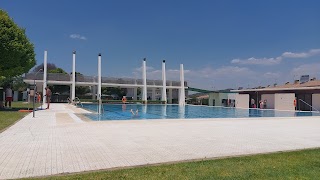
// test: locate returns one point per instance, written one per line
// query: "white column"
(144, 79)
(164, 82)
(99, 83)
(182, 97)
(135, 92)
(44, 77)
(73, 94)
(170, 94)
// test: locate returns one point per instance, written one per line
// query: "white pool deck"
(57, 141)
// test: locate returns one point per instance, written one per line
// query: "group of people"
(9, 97)
(47, 95)
(262, 104)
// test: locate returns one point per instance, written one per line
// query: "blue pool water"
(122, 112)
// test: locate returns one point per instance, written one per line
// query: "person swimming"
(135, 113)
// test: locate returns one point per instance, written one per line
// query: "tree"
(114, 91)
(58, 71)
(50, 66)
(138, 91)
(16, 51)
(18, 84)
(81, 90)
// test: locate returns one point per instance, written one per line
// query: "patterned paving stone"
(50, 144)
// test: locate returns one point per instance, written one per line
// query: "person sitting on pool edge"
(134, 113)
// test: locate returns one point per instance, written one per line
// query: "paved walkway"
(57, 141)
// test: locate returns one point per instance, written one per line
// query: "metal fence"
(83, 78)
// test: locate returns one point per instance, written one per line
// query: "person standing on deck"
(48, 96)
(8, 97)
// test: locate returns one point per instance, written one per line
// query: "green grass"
(303, 164)
(10, 116)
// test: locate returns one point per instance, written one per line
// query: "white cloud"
(139, 69)
(271, 75)
(310, 53)
(225, 71)
(276, 60)
(206, 72)
(77, 36)
(202, 76)
(259, 61)
(306, 69)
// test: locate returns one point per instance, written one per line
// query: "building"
(299, 95)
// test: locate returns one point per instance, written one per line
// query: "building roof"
(310, 85)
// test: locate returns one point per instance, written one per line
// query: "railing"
(50, 76)
(77, 101)
(175, 83)
(32, 76)
(118, 80)
(58, 77)
(311, 107)
(150, 82)
(83, 78)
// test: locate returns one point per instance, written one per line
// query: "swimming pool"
(123, 112)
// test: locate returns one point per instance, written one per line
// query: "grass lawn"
(303, 164)
(10, 116)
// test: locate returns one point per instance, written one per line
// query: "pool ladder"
(311, 107)
(77, 101)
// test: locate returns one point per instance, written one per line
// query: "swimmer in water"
(135, 113)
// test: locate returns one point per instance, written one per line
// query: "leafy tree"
(58, 71)
(18, 84)
(50, 66)
(114, 91)
(138, 91)
(16, 51)
(81, 90)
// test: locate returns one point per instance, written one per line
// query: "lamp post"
(34, 91)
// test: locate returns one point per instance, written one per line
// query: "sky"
(222, 44)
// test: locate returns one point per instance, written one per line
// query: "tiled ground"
(57, 141)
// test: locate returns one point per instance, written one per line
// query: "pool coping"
(87, 119)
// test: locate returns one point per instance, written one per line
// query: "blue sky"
(222, 44)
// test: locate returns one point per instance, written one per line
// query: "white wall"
(270, 100)
(213, 96)
(316, 101)
(232, 95)
(242, 100)
(219, 96)
(284, 101)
